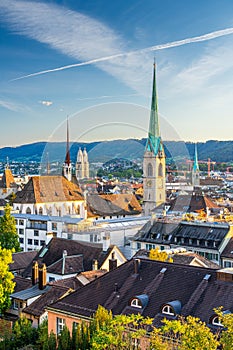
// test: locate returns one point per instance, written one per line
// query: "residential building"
(65, 258)
(205, 238)
(151, 288)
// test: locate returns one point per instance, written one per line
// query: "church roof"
(8, 180)
(44, 189)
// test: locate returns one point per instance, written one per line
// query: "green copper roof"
(154, 139)
(195, 161)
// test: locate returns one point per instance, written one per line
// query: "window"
(21, 231)
(28, 210)
(42, 242)
(36, 232)
(36, 242)
(21, 222)
(51, 279)
(138, 245)
(60, 324)
(15, 305)
(40, 211)
(216, 322)
(168, 310)
(149, 170)
(228, 263)
(21, 240)
(54, 226)
(136, 303)
(29, 241)
(160, 170)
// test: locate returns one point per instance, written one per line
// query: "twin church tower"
(82, 163)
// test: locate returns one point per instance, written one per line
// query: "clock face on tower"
(148, 183)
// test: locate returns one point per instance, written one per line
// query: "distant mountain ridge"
(102, 151)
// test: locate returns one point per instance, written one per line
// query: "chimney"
(112, 262)
(35, 273)
(95, 265)
(42, 276)
(64, 255)
(106, 242)
(136, 266)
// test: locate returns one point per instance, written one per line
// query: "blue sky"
(105, 52)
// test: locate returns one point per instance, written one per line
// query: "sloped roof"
(162, 232)
(197, 289)
(70, 265)
(44, 189)
(8, 180)
(228, 250)
(53, 253)
(21, 283)
(113, 204)
(191, 203)
(37, 308)
(21, 260)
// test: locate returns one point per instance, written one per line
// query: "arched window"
(168, 310)
(28, 210)
(136, 303)
(216, 321)
(40, 211)
(160, 170)
(149, 170)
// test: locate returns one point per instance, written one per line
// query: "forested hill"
(218, 151)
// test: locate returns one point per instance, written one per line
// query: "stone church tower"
(67, 166)
(195, 170)
(82, 164)
(85, 164)
(154, 170)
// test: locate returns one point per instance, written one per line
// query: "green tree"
(64, 340)
(192, 333)
(8, 233)
(122, 332)
(156, 254)
(23, 334)
(6, 279)
(226, 335)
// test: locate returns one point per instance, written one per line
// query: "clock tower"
(154, 170)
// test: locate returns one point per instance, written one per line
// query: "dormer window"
(139, 301)
(216, 321)
(168, 310)
(171, 308)
(136, 303)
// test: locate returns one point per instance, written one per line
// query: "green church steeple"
(195, 160)
(154, 140)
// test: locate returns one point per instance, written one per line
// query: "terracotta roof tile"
(42, 189)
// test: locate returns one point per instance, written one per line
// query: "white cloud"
(10, 106)
(46, 103)
(92, 42)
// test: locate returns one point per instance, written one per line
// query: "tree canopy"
(8, 233)
(6, 279)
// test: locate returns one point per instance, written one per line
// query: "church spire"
(67, 160)
(195, 160)
(195, 170)
(67, 167)
(153, 140)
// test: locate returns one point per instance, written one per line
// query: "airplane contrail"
(204, 37)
